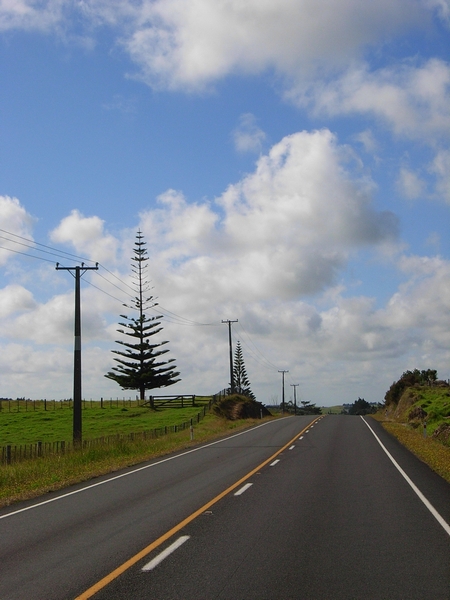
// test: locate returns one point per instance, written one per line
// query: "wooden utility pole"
(282, 390)
(77, 273)
(295, 385)
(231, 352)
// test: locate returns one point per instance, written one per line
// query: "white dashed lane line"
(167, 552)
(243, 489)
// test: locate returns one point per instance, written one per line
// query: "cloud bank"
(270, 251)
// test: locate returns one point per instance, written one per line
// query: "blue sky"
(287, 162)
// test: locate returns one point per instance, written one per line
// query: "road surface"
(286, 510)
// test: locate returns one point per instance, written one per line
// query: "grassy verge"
(435, 454)
(33, 478)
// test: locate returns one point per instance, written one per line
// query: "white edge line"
(427, 503)
(167, 552)
(243, 489)
(93, 485)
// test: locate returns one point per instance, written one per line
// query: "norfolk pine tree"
(141, 367)
(241, 382)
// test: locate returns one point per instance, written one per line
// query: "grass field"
(52, 425)
(32, 478)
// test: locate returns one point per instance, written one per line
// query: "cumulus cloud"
(441, 168)
(86, 235)
(442, 8)
(287, 229)
(31, 14)
(14, 220)
(188, 45)
(413, 100)
(248, 137)
(191, 44)
(410, 184)
(423, 302)
(15, 298)
(367, 139)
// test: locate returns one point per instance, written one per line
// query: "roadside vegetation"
(417, 413)
(32, 478)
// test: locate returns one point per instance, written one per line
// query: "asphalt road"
(331, 516)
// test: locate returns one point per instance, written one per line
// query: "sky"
(288, 164)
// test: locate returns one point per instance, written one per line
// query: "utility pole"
(295, 385)
(77, 273)
(231, 352)
(282, 390)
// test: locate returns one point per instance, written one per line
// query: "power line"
(269, 364)
(60, 252)
(28, 255)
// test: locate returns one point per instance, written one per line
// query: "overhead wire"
(27, 255)
(169, 315)
(62, 254)
(34, 246)
(267, 363)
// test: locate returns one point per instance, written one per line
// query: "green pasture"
(26, 425)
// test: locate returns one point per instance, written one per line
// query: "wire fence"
(28, 405)
(10, 454)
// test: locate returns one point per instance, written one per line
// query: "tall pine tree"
(241, 382)
(141, 367)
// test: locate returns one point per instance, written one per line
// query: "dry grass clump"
(435, 454)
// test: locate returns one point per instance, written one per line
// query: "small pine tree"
(241, 382)
(141, 368)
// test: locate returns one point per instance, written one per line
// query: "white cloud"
(441, 168)
(191, 44)
(422, 304)
(31, 14)
(188, 45)
(367, 139)
(442, 8)
(410, 184)
(288, 228)
(413, 100)
(248, 137)
(15, 220)
(15, 298)
(87, 236)
(270, 241)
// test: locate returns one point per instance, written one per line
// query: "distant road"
(344, 512)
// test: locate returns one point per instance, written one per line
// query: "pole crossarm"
(229, 321)
(77, 273)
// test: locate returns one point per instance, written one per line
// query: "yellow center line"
(145, 551)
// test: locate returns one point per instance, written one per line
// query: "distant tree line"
(305, 408)
(362, 407)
